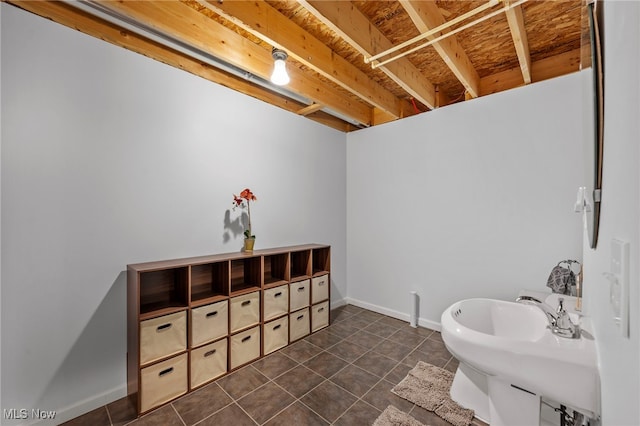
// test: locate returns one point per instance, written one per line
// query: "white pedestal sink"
(510, 359)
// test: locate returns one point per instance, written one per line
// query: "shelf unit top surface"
(171, 263)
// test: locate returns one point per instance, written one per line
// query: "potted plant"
(244, 201)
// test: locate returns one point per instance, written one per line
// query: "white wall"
(619, 357)
(472, 200)
(0, 207)
(110, 158)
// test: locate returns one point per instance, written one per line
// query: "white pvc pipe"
(432, 31)
(414, 309)
(375, 65)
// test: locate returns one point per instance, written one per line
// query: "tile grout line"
(358, 399)
(248, 415)
(297, 400)
(271, 380)
(381, 379)
(233, 401)
(214, 413)
(178, 414)
(328, 379)
(106, 407)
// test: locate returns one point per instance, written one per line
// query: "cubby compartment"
(208, 362)
(245, 311)
(319, 316)
(162, 290)
(163, 336)
(209, 281)
(276, 302)
(319, 288)
(276, 269)
(245, 274)
(209, 322)
(299, 325)
(245, 347)
(299, 294)
(275, 335)
(300, 264)
(163, 382)
(321, 260)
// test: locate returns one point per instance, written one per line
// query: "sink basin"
(500, 319)
(511, 342)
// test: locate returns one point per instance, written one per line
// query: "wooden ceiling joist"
(426, 16)
(309, 109)
(197, 30)
(269, 25)
(348, 22)
(515, 19)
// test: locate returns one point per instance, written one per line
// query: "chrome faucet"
(559, 321)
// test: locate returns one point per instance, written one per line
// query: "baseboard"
(82, 407)
(422, 322)
(338, 303)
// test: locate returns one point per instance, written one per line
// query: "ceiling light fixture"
(279, 76)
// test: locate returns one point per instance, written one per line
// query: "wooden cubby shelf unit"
(193, 320)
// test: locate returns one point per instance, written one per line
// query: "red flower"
(239, 201)
(247, 195)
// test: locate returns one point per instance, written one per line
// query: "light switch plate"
(620, 285)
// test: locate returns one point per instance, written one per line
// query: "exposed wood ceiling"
(474, 48)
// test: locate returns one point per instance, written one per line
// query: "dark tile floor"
(341, 375)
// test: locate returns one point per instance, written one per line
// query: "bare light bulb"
(280, 76)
